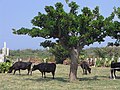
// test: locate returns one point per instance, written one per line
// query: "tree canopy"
(70, 28)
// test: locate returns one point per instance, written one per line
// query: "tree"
(100, 52)
(72, 30)
(115, 33)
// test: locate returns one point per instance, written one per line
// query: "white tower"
(5, 50)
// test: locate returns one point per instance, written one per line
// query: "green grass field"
(97, 80)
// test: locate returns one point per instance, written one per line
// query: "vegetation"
(29, 53)
(106, 53)
(72, 30)
(98, 79)
(4, 66)
(60, 53)
(102, 52)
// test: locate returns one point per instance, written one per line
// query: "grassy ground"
(97, 80)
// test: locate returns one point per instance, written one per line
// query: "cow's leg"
(114, 73)
(19, 72)
(83, 68)
(28, 71)
(53, 73)
(14, 72)
(111, 73)
(83, 71)
(44, 75)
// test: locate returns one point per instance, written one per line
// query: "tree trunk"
(74, 54)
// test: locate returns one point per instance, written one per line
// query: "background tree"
(100, 52)
(72, 30)
(60, 53)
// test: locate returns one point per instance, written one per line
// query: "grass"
(97, 80)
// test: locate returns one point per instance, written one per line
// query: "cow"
(20, 66)
(45, 67)
(85, 67)
(115, 66)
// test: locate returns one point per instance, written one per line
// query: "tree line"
(61, 55)
(29, 53)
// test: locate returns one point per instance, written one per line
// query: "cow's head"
(10, 70)
(34, 68)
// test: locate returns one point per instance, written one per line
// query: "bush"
(4, 67)
(107, 63)
(103, 62)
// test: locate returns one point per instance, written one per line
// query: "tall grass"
(97, 80)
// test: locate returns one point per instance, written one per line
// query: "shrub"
(107, 63)
(4, 67)
(100, 62)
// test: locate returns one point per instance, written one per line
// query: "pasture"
(97, 80)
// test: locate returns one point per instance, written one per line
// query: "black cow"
(85, 67)
(20, 66)
(45, 67)
(115, 66)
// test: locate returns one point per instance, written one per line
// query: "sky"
(19, 13)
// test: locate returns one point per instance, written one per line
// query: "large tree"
(72, 30)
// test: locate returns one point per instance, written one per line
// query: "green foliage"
(103, 53)
(47, 43)
(103, 62)
(100, 52)
(51, 59)
(99, 63)
(107, 63)
(70, 28)
(60, 53)
(115, 32)
(29, 53)
(4, 67)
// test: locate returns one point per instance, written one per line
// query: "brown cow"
(85, 67)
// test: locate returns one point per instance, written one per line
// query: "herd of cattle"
(42, 67)
(51, 67)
